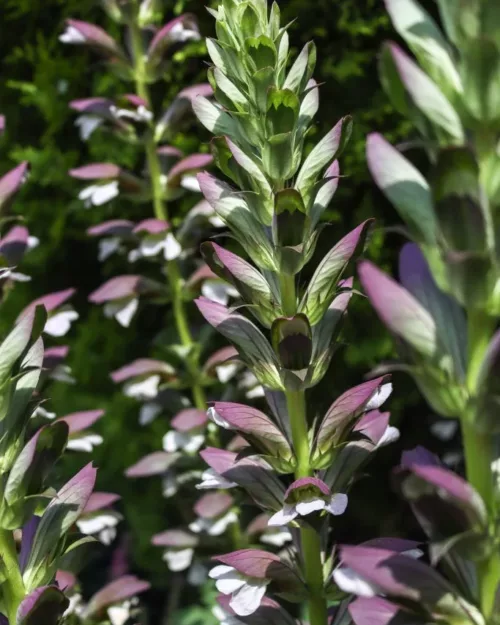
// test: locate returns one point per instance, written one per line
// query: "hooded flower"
(246, 593)
(210, 479)
(307, 495)
(60, 315)
(99, 519)
(215, 514)
(187, 433)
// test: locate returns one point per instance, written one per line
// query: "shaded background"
(39, 77)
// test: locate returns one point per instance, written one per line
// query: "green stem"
(288, 294)
(479, 452)
(13, 587)
(310, 539)
(161, 212)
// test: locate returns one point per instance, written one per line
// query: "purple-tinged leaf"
(181, 29)
(400, 545)
(254, 348)
(153, 464)
(140, 367)
(399, 310)
(152, 226)
(223, 356)
(92, 106)
(378, 611)
(78, 421)
(44, 605)
(114, 227)
(451, 325)
(50, 301)
(268, 613)
(404, 186)
(327, 187)
(189, 419)
(323, 284)
(14, 244)
(11, 182)
(213, 505)
(120, 287)
(179, 539)
(313, 483)
(99, 501)
(65, 580)
(342, 414)
(83, 33)
(373, 425)
(2, 124)
(96, 171)
(28, 535)
(116, 592)
(181, 104)
(256, 426)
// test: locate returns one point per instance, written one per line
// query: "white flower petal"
(87, 124)
(379, 397)
(211, 479)
(60, 322)
(229, 582)
(119, 614)
(219, 526)
(122, 310)
(85, 443)
(45, 414)
(142, 389)
(172, 247)
(152, 245)
(214, 416)
(149, 412)
(276, 539)
(107, 247)
(173, 440)
(170, 485)
(312, 505)
(107, 535)
(445, 430)
(95, 524)
(178, 559)
(190, 183)
(71, 35)
(284, 516)
(338, 504)
(193, 443)
(226, 372)
(349, 581)
(247, 599)
(33, 242)
(413, 553)
(197, 574)
(216, 291)
(391, 435)
(105, 192)
(220, 570)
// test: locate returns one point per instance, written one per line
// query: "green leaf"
(282, 111)
(262, 51)
(302, 70)
(277, 157)
(481, 76)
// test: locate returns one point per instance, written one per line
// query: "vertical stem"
(479, 454)
(288, 295)
(13, 586)
(161, 212)
(310, 539)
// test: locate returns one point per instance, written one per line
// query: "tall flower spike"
(272, 205)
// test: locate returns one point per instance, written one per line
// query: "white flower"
(213, 527)
(107, 247)
(141, 114)
(62, 373)
(102, 524)
(218, 291)
(99, 194)
(141, 389)
(190, 183)
(87, 124)
(226, 372)
(246, 594)
(379, 397)
(352, 583)
(179, 33)
(173, 441)
(59, 323)
(336, 505)
(122, 310)
(71, 35)
(76, 605)
(84, 442)
(277, 537)
(119, 614)
(170, 484)
(15, 276)
(178, 559)
(152, 245)
(45, 414)
(33, 242)
(211, 479)
(148, 413)
(445, 430)
(391, 435)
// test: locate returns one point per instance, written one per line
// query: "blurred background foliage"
(39, 77)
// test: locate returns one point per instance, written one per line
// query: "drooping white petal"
(33, 242)
(122, 310)
(17, 276)
(379, 397)
(413, 553)
(217, 291)
(193, 442)
(59, 323)
(278, 538)
(214, 416)
(173, 440)
(349, 581)
(152, 245)
(85, 443)
(180, 33)
(71, 35)
(146, 388)
(87, 124)
(220, 570)
(170, 485)
(107, 535)
(226, 372)
(337, 504)
(211, 479)
(219, 526)
(149, 412)
(95, 524)
(391, 435)
(172, 247)
(119, 614)
(105, 192)
(311, 505)
(40, 411)
(107, 247)
(62, 373)
(284, 516)
(247, 599)
(227, 582)
(178, 559)
(190, 183)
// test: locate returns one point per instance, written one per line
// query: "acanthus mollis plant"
(161, 249)
(295, 465)
(444, 311)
